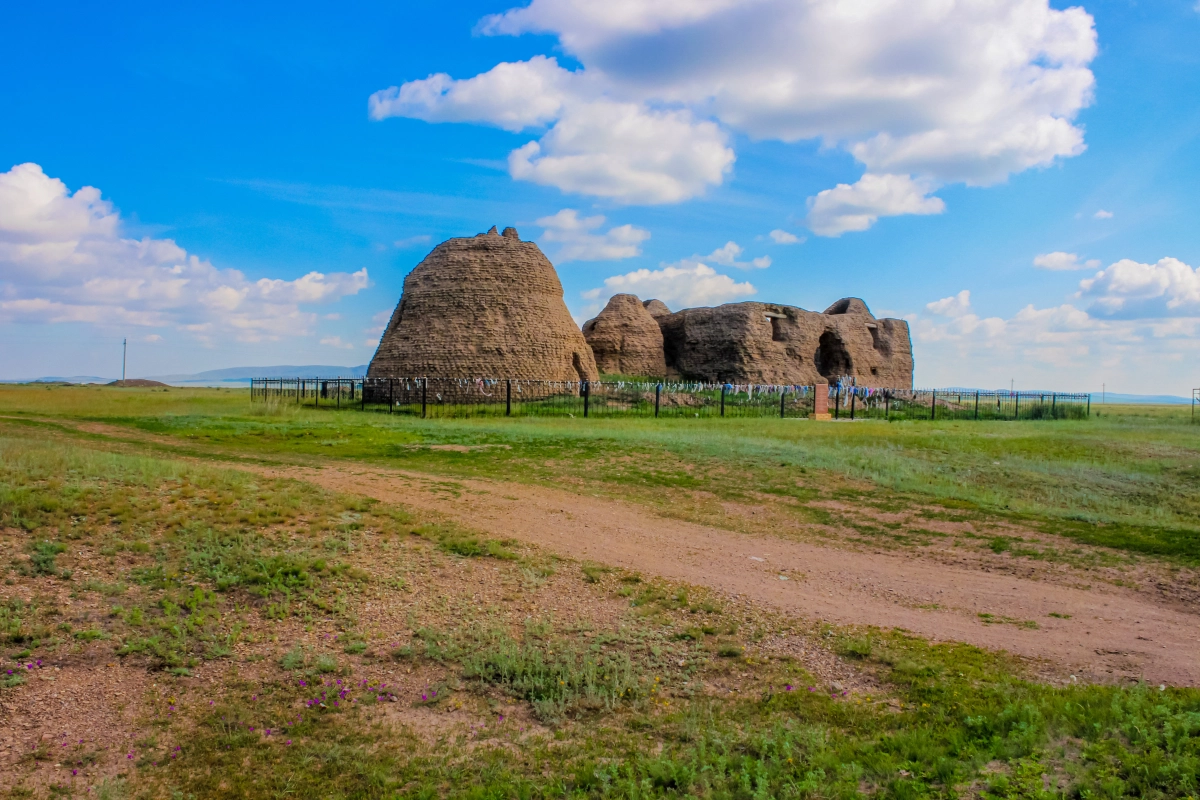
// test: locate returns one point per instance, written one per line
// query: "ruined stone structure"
(488, 306)
(626, 339)
(777, 344)
(657, 308)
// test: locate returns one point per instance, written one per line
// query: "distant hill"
(1112, 398)
(72, 379)
(242, 375)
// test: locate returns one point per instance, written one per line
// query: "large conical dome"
(489, 306)
(626, 339)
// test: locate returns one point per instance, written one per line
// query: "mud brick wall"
(778, 344)
(487, 306)
(626, 339)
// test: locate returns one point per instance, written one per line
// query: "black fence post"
(508, 397)
(837, 402)
(317, 393)
(853, 396)
(339, 392)
(587, 393)
(391, 394)
(1089, 411)
(976, 404)
(933, 406)
(723, 401)
(887, 406)
(782, 400)
(424, 395)
(1054, 406)
(657, 397)
(1017, 407)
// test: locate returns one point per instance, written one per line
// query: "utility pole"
(124, 351)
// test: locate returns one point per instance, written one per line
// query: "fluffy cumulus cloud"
(579, 238)
(684, 284)
(779, 236)
(957, 305)
(1058, 261)
(727, 255)
(857, 206)
(1139, 334)
(938, 90)
(1132, 290)
(64, 258)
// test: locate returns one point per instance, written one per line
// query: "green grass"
(195, 555)
(1125, 479)
(953, 721)
(202, 545)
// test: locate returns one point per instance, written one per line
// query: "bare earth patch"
(1098, 632)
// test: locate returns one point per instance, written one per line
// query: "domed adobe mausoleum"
(487, 306)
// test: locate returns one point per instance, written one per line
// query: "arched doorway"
(832, 359)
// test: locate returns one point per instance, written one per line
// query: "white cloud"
(627, 153)
(63, 259)
(512, 96)
(1059, 261)
(856, 207)
(411, 241)
(1068, 348)
(682, 285)
(1132, 290)
(336, 341)
(940, 90)
(783, 237)
(727, 256)
(1102, 214)
(579, 242)
(954, 306)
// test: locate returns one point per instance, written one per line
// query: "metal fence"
(485, 397)
(1195, 402)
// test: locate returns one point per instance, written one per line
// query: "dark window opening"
(776, 330)
(879, 343)
(840, 307)
(832, 359)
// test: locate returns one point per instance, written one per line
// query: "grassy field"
(287, 641)
(1127, 478)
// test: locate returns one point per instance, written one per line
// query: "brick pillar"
(821, 401)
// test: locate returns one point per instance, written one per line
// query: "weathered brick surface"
(625, 339)
(657, 308)
(777, 344)
(488, 306)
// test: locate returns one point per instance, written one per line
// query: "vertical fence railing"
(484, 397)
(1195, 402)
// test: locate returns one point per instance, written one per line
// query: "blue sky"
(262, 179)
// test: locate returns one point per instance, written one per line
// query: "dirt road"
(1098, 632)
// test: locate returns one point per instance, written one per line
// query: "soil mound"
(657, 308)
(626, 339)
(777, 344)
(488, 306)
(135, 383)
